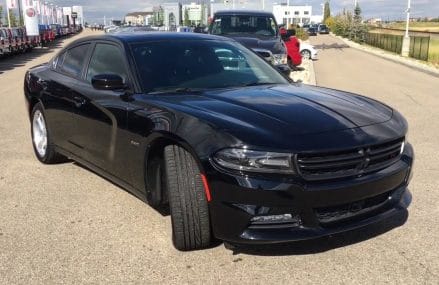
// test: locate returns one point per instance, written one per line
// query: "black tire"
(187, 200)
(50, 156)
(306, 54)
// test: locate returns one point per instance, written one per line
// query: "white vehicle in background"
(308, 51)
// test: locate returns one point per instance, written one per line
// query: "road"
(64, 224)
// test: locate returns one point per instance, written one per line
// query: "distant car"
(204, 127)
(323, 29)
(257, 30)
(20, 41)
(5, 42)
(312, 31)
(308, 51)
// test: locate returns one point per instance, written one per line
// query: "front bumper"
(314, 54)
(314, 209)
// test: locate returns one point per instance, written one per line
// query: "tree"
(330, 22)
(327, 11)
(1, 15)
(357, 13)
(13, 18)
(186, 22)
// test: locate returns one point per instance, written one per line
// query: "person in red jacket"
(292, 44)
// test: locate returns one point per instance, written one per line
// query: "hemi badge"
(134, 143)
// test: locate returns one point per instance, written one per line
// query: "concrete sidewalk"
(307, 75)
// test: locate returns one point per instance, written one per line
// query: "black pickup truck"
(254, 29)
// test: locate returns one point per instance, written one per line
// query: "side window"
(58, 61)
(106, 59)
(74, 60)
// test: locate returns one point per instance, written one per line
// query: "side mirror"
(108, 82)
(284, 69)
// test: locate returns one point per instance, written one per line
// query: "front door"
(102, 116)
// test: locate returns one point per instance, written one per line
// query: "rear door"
(62, 100)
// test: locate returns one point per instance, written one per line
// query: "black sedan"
(312, 31)
(205, 126)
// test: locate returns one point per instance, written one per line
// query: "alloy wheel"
(39, 131)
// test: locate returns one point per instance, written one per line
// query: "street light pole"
(406, 42)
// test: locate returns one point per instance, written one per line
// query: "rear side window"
(74, 60)
(106, 59)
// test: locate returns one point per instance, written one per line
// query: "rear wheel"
(187, 200)
(41, 140)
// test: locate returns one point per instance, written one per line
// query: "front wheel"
(187, 200)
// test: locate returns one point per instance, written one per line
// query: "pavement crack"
(411, 98)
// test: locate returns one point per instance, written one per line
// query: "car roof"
(244, 12)
(150, 36)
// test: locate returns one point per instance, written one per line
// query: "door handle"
(79, 101)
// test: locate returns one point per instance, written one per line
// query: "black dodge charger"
(204, 126)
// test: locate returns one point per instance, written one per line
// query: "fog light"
(273, 218)
(275, 221)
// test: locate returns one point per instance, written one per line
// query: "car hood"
(272, 44)
(284, 109)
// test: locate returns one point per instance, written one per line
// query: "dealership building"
(298, 15)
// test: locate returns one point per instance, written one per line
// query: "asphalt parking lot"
(65, 224)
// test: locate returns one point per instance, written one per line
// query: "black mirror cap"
(284, 69)
(108, 82)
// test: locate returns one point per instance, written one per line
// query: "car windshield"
(200, 64)
(244, 24)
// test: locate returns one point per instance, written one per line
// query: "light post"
(406, 41)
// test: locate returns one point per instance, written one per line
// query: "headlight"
(406, 137)
(279, 59)
(254, 161)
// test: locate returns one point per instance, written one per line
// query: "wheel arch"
(33, 100)
(154, 151)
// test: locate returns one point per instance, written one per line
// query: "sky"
(95, 10)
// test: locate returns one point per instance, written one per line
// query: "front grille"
(351, 210)
(353, 162)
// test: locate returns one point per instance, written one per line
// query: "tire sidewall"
(306, 54)
(39, 107)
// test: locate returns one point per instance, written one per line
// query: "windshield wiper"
(181, 90)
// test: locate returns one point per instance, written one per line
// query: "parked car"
(243, 154)
(311, 31)
(47, 35)
(308, 51)
(57, 30)
(306, 27)
(20, 41)
(256, 30)
(323, 29)
(5, 42)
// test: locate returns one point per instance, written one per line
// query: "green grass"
(433, 53)
(418, 26)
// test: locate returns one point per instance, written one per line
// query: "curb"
(312, 74)
(420, 66)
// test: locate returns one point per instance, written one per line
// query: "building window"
(306, 12)
(296, 12)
